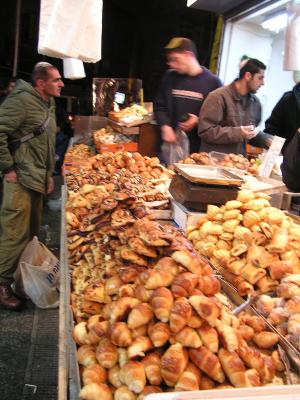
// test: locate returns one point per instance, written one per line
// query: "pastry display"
(108, 135)
(129, 115)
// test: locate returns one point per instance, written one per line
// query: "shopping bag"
(37, 275)
(173, 152)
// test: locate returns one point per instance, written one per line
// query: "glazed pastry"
(140, 331)
(257, 323)
(137, 245)
(94, 373)
(162, 301)
(181, 312)
(188, 337)
(86, 355)
(159, 333)
(114, 376)
(269, 370)
(209, 285)
(251, 357)
(206, 307)
(95, 391)
(106, 353)
(208, 362)
(207, 383)
(153, 279)
(173, 363)
(209, 337)
(112, 285)
(122, 356)
(142, 294)
(80, 333)
(192, 262)
(183, 284)
(119, 310)
(140, 315)
(190, 379)
(132, 374)
(234, 368)
(265, 339)
(246, 332)
(100, 328)
(120, 334)
(152, 368)
(138, 348)
(195, 320)
(169, 265)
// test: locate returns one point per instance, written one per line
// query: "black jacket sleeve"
(162, 102)
(275, 124)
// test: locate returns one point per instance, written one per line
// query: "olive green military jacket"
(34, 160)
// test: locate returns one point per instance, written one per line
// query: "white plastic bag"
(174, 152)
(37, 275)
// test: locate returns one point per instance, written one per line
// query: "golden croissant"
(208, 362)
(173, 363)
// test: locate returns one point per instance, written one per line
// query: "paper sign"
(271, 156)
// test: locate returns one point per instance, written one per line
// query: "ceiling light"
(275, 22)
(190, 2)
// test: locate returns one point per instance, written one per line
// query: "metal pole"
(17, 38)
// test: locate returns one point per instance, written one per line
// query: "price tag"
(270, 157)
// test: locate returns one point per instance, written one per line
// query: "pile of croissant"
(253, 244)
(161, 322)
(283, 309)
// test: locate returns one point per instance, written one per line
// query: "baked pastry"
(208, 362)
(152, 368)
(86, 355)
(140, 315)
(209, 337)
(159, 333)
(123, 393)
(181, 312)
(190, 379)
(95, 391)
(188, 337)
(162, 301)
(206, 307)
(173, 363)
(120, 334)
(132, 374)
(106, 353)
(94, 373)
(139, 347)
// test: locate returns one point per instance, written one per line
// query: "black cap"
(181, 44)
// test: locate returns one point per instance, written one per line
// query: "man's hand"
(11, 177)
(189, 124)
(50, 186)
(168, 134)
(248, 132)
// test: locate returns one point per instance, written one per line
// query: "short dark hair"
(181, 44)
(253, 66)
(40, 71)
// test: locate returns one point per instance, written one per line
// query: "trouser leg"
(15, 228)
(36, 213)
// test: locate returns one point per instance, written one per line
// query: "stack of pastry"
(283, 310)
(253, 244)
(161, 323)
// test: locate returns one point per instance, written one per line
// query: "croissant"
(277, 361)
(90, 307)
(183, 284)
(96, 391)
(190, 261)
(251, 357)
(209, 337)
(123, 393)
(206, 383)
(188, 337)
(137, 245)
(265, 339)
(114, 376)
(257, 323)
(209, 285)
(151, 364)
(288, 290)
(119, 309)
(234, 368)
(181, 312)
(140, 315)
(167, 264)
(80, 333)
(206, 307)
(139, 347)
(148, 390)
(269, 370)
(227, 335)
(112, 285)
(122, 356)
(86, 355)
(120, 334)
(106, 353)
(190, 379)
(162, 301)
(133, 375)
(142, 294)
(94, 373)
(140, 331)
(96, 292)
(208, 362)
(294, 324)
(280, 268)
(292, 306)
(154, 279)
(127, 290)
(173, 363)
(100, 328)
(159, 333)
(195, 321)
(246, 332)
(243, 287)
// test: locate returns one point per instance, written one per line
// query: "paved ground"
(29, 338)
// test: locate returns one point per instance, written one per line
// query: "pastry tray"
(209, 175)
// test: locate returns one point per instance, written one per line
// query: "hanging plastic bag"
(37, 275)
(173, 152)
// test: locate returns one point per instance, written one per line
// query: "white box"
(184, 217)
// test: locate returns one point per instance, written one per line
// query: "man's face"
(255, 81)
(52, 86)
(179, 61)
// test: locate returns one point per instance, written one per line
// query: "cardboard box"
(184, 217)
(115, 147)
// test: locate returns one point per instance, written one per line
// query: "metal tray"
(209, 175)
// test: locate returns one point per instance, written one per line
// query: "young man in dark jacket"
(285, 117)
(230, 114)
(182, 91)
(26, 167)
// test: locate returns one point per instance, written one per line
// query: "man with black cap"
(182, 91)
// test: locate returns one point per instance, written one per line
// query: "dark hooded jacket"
(21, 112)
(285, 117)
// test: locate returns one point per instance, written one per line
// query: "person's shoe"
(8, 299)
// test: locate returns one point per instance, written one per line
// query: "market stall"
(155, 311)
